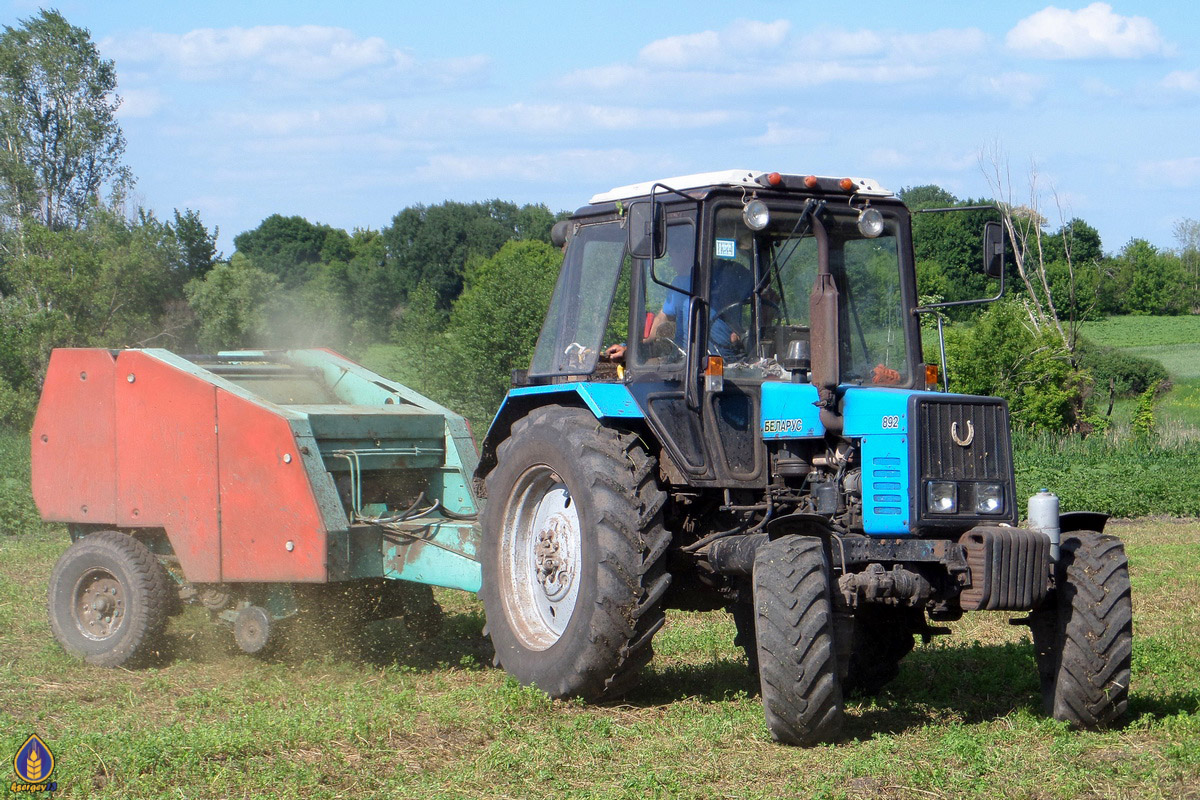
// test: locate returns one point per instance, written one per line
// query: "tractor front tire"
(108, 600)
(1083, 634)
(573, 555)
(797, 657)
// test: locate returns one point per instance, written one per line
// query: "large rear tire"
(1083, 634)
(573, 555)
(108, 600)
(797, 659)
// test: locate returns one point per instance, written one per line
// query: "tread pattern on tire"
(1085, 647)
(148, 598)
(797, 659)
(627, 504)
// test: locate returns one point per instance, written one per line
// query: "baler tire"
(1083, 633)
(882, 638)
(606, 479)
(113, 565)
(797, 656)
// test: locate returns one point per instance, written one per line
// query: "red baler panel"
(167, 459)
(74, 458)
(266, 499)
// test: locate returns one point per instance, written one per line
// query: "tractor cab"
(746, 304)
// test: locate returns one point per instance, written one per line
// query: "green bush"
(1128, 375)
(1000, 355)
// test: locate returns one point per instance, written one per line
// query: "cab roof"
(748, 179)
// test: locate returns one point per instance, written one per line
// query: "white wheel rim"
(541, 549)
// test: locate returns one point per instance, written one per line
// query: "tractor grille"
(985, 457)
(965, 440)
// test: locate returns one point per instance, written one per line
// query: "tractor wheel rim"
(541, 551)
(98, 604)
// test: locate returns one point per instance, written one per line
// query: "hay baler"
(247, 482)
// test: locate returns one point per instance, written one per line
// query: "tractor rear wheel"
(797, 657)
(573, 554)
(108, 600)
(1083, 634)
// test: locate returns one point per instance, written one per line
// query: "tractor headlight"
(942, 496)
(989, 498)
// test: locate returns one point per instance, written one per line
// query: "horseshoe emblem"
(965, 441)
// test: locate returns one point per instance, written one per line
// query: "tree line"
(458, 289)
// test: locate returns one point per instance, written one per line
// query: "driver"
(732, 286)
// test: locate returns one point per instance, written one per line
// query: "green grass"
(1139, 331)
(416, 718)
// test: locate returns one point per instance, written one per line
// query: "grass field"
(412, 718)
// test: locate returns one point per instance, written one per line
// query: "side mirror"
(560, 233)
(646, 230)
(993, 249)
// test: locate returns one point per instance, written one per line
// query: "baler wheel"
(573, 555)
(797, 657)
(252, 629)
(1083, 633)
(108, 600)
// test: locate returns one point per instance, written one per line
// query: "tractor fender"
(1072, 521)
(607, 401)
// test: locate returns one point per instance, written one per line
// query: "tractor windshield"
(754, 329)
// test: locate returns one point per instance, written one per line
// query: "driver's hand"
(615, 352)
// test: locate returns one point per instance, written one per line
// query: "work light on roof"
(756, 215)
(870, 222)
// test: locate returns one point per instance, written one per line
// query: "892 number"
(891, 422)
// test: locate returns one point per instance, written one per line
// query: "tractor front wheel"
(1083, 634)
(573, 554)
(797, 657)
(108, 599)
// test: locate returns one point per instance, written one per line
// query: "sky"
(346, 113)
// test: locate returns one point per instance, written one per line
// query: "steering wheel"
(738, 346)
(671, 341)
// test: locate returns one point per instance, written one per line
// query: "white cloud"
(140, 103)
(350, 118)
(1018, 88)
(279, 53)
(582, 167)
(780, 135)
(749, 55)
(1091, 32)
(1181, 81)
(1179, 173)
(734, 43)
(558, 118)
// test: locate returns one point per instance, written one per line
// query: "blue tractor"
(728, 408)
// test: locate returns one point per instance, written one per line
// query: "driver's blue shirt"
(731, 286)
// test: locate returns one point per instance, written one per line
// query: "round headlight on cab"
(870, 222)
(756, 215)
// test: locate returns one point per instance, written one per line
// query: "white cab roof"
(728, 177)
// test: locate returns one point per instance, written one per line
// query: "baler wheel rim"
(125, 630)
